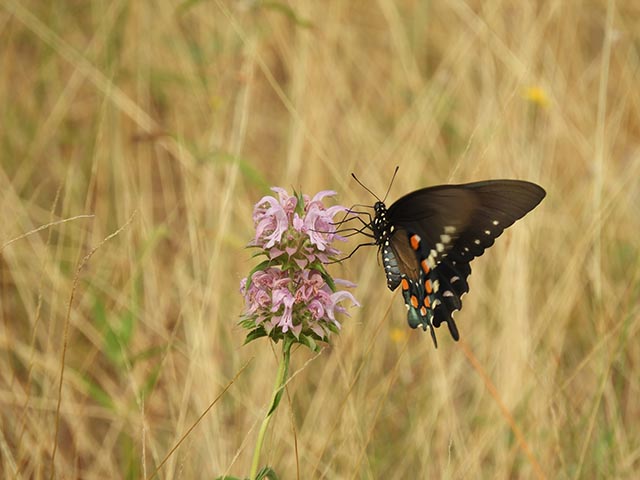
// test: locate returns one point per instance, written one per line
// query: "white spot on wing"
(440, 247)
(449, 229)
(445, 238)
(496, 222)
(476, 241)
(487, 232)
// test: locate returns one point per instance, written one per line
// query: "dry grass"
(183, 116)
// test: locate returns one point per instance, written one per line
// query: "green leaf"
(267, 472)
(332, 327)
(110, 343)
(276, 401)
(129, 455)
(255, 334)
(96, 392)
(276, 335)
(112, 346)
(116, 333)
(287, 11)
(299, 204)
(150, 382)
(309, 342)
(325, 275)
(127, 323)
(258, 253)
(182, 8)
(286, 352)
(99, 313)
(147, 353)
(245, 166)
(247, 323)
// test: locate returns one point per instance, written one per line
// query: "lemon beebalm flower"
(537, 96)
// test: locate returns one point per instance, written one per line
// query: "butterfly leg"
(371, 244)
(356, 216)
(353, 231)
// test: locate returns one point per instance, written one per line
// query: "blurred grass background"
(186, 112)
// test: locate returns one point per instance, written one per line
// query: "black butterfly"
(429, 237)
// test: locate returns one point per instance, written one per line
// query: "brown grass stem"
(493, 391)
(65, 336)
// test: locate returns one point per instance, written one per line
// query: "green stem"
(277, 394)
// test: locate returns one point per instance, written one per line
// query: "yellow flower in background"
(398, 335)
(537, 95)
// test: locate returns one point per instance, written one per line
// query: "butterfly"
(428, 238)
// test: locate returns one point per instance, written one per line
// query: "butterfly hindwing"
(453, 285)
(409, 264)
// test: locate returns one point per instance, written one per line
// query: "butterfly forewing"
(429, 237)
(499, 203)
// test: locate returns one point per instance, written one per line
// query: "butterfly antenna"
(363, 186)
(391, 183)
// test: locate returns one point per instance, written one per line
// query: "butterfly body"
(428, 238)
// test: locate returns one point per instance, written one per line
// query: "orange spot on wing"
(415, 242)
(425, 266)
(423, 311)
(428, 287)
(427, 302)
(414, 301)
(404, 284)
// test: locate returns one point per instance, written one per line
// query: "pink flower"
(288, 202)
(291, 293)
(318, 223)
(296, 301)
(316, 308)
(296, 225)
(271, 222)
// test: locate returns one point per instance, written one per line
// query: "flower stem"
(277, 395)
